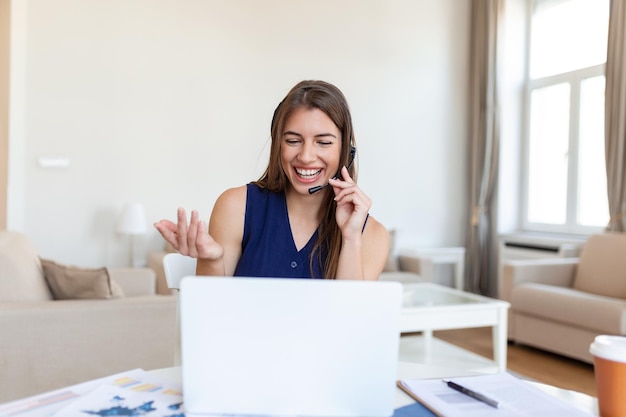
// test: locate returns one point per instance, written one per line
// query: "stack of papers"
(514, 397)
(133, 393)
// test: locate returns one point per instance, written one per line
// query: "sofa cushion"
(21, 277)
(602, 266)
(571, 307)
(71, 282)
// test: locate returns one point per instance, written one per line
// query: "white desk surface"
(408, 370)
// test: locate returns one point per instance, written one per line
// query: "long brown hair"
(329, 99)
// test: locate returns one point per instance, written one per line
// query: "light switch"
(54, 161)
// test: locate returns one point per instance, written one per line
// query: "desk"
(405, 371)
(413, 370)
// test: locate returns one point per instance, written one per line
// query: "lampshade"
(133, 220)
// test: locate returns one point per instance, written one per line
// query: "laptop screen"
(275, 346)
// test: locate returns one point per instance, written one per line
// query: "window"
(565, 176)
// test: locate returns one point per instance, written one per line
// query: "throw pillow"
(71, 282)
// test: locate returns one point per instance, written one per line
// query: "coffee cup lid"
(609, 347)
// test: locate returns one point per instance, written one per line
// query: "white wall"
(168, 102)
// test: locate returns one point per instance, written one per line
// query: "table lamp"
(132, 223)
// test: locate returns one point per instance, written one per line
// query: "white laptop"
(289, 347)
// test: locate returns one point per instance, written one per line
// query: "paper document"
(515, 397)
(138, 394)
(132, 393)
(45, 405)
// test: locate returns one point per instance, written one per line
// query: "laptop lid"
(298, 347)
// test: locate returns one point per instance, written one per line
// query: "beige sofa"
(561, 305)
(48, 343)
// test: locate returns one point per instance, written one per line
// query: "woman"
(305, 217)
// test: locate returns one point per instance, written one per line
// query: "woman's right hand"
(191, 240)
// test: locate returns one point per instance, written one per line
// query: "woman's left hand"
(353, 205)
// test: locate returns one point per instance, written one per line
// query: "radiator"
(514, 247)
(511, 249)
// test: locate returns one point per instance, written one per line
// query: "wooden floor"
(533, 363)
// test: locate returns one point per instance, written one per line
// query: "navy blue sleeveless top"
(267, 248)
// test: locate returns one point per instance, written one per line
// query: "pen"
(475, 395)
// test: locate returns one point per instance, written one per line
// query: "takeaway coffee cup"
(609, 359)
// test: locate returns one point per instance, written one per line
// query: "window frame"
(574, 79)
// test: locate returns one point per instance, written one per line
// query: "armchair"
(561, 305)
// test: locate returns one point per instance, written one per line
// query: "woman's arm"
(366, 258)
(226, 228)
(217, 247)
(364, 249)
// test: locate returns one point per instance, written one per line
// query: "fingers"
(355, 196)
(346, 190)
(167, 229)
(192, 234)
(340, 185)
(188, 239)
(352, 203)
(207, 247)
(181, 231)
(345, 174)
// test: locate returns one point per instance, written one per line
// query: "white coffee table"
(428, 307)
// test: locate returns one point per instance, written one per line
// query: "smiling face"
(310, 149)
(305, 97)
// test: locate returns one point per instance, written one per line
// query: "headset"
(315, 189)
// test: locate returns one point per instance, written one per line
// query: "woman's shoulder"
(376, 243)
(376, 231)
(232, 198)
(236, 199)
(237, 196)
